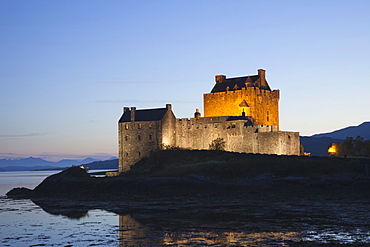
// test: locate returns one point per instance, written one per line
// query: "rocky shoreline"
(75, 183)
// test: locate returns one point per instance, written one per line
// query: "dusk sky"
(69, 67)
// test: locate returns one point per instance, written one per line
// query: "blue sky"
(69, 67)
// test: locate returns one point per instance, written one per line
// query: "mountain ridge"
(32, 163)
(318, 144)
(362, 130)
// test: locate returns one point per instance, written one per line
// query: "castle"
(242, 111)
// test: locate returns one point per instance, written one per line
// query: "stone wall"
(196, 133)
(136, 140)
(263, 104)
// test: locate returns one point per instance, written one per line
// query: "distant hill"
(318, 144)
(362, 130)
(105, 164)
(68, 162)
(31, 163)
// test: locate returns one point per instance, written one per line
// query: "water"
(186, 223)
(28, 179)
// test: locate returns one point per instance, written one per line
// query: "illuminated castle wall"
(243, 111)
(250, 94)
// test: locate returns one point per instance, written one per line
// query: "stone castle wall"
(263, 104)
(136, 140)
(199, 133)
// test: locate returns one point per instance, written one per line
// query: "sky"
(69, 67)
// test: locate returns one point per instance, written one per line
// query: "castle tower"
(244, 96)
(141, 131)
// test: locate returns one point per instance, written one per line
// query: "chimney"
(125, 109)
(133, 110)
(169, 107)
(219, 78)
(262, 75)
(197, 114)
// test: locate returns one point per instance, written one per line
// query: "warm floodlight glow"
(332, 149)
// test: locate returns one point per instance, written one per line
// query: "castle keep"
(243, 111)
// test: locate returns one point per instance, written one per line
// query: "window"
(138, 137)
(268, 116)
(139, 126)
(215, 125)
(150, 125)
(150, 137)
(126, 126)
(126, 154)
(139, 153)
(126, 138)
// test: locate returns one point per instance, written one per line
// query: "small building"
(242, 111)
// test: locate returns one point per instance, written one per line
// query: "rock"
(19, 192)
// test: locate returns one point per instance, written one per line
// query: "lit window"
(126, 126)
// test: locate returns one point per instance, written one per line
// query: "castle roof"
(237, 83)
(144, 115)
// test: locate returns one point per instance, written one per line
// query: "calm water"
(28, 179)
(190, 223)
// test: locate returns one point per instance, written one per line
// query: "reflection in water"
(187, 224)
(133, 233)
(231, 238)
(70, 211)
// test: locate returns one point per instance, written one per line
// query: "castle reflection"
(134, 233)
(217, 224)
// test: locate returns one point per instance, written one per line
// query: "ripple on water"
(24, 223)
